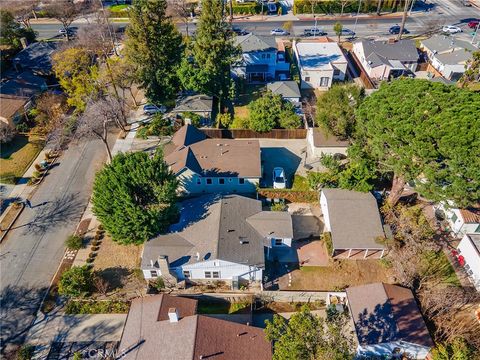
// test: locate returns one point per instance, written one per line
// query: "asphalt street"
(32, 251)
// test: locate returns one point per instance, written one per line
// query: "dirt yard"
(118, 265)
(339, 275)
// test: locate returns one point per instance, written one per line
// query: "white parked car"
(279, 181)
(451, 29)
(150, 109)
(279, 32)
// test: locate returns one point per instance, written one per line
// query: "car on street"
(451, 29)
(279, 181)
(395, 29)
(314, 32)
(279, 32)
(348, 32)
(239, 31)
(466, 3)
(63, 32)
(150, 109)
(473, 24)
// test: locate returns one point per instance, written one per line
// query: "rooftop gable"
(252, 43)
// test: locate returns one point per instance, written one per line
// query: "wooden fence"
(367, 82)
(250, 134)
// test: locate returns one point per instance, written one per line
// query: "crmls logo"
(103, 354)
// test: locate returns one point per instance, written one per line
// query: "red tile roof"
(471, 215)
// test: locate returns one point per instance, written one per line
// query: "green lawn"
(17, 155)
(300, 183)
(437, 263)
(117, 8)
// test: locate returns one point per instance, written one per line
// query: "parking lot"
(288, 154)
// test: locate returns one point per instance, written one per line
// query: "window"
(263, 56)
(454, 218)
(153, 273)
(336, 72)
(216, 274)
(187, 274)
(221, 181)
(268, 56)
(477, 230)
(324, 81)
(209, 181)
(241, 181)
(307, 78)
(199, 181)
(278, 242)
(208, 274)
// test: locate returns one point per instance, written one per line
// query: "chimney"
(173, 315)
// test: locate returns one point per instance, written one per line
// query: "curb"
(9, 227)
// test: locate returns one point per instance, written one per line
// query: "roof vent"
(197, 256)
(243, 333)
(230, 230)
(173, 315)
(244, 242)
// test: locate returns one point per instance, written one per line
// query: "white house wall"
(416, 351)
(459, 228)
(192, 183)
(262, 58)
(326, 216)
(227, 270)
(472, 259)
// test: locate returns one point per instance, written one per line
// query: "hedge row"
(335, 6)
(75, 307)
(290, 195)
(252, 8)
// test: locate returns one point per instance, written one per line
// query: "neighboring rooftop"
(26, 84)
(288, 89)
(213, 157)
(383, 52)
(36, 57)
(194, 103)
(231, 228)
(252, 43)
(314, 55)
(321, 138)
(147, 335)
(385, 313)
(442, 43)
(354, 219)
(475, 239)
(10, 104)
(471, 215)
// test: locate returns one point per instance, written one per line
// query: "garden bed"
(75, 307)
(223, 307)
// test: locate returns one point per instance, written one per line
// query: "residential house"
(320, 62)
(387, 322)
(383, 60)
(320, 143)
(469, 257)
(36, 58)
(26, 85)
(353, 221)
(13, 108)
(206, 165)
(217, 238)
(201, 105)
(461, 221)
(165, 327)
(261, 58)
(448, 55)
(287, 89)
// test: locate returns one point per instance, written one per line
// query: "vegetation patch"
(289, 195)
(222, 307)
(75, 307)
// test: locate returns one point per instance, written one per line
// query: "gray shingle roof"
(382, 52)
(25, 84)
(195, 103)
(354, 219)
(231, 228)
(288, 89)
(442, 43)
(385, 313)
(251, 43)
(37, 56)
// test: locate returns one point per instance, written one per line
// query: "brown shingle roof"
(148, 337)
(471, 215)
(213, 157)
(384, 313)
(10, 104)
(322, 139)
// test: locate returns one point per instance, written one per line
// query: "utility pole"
(404, 19)
(358, 13)
(315, 27)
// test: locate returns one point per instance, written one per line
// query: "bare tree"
(65, 11)
(99, 117)
(100, 284)
(182, 10)
(23, 10)
(7, 132)
(344, 3)
(379, 7)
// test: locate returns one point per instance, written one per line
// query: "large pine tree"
(154, 48)
(206, 66)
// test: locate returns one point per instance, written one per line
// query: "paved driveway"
(282, 153)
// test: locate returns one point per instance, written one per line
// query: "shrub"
(36, 174)
(280, 206)
(142, 133)
(25, 352)
(159, 283)
(194, 118)
(74, 242)
(75, 281)
(290, 195)
(327, 239)
(7, 133)
(22, 127)
(75, 307)
(225, 120)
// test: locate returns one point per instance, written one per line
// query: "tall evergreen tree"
(154, 48)
(134, 197)
(424, 132)
(206, 68)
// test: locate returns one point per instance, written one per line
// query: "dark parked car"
(239, 31)
(395, 29)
